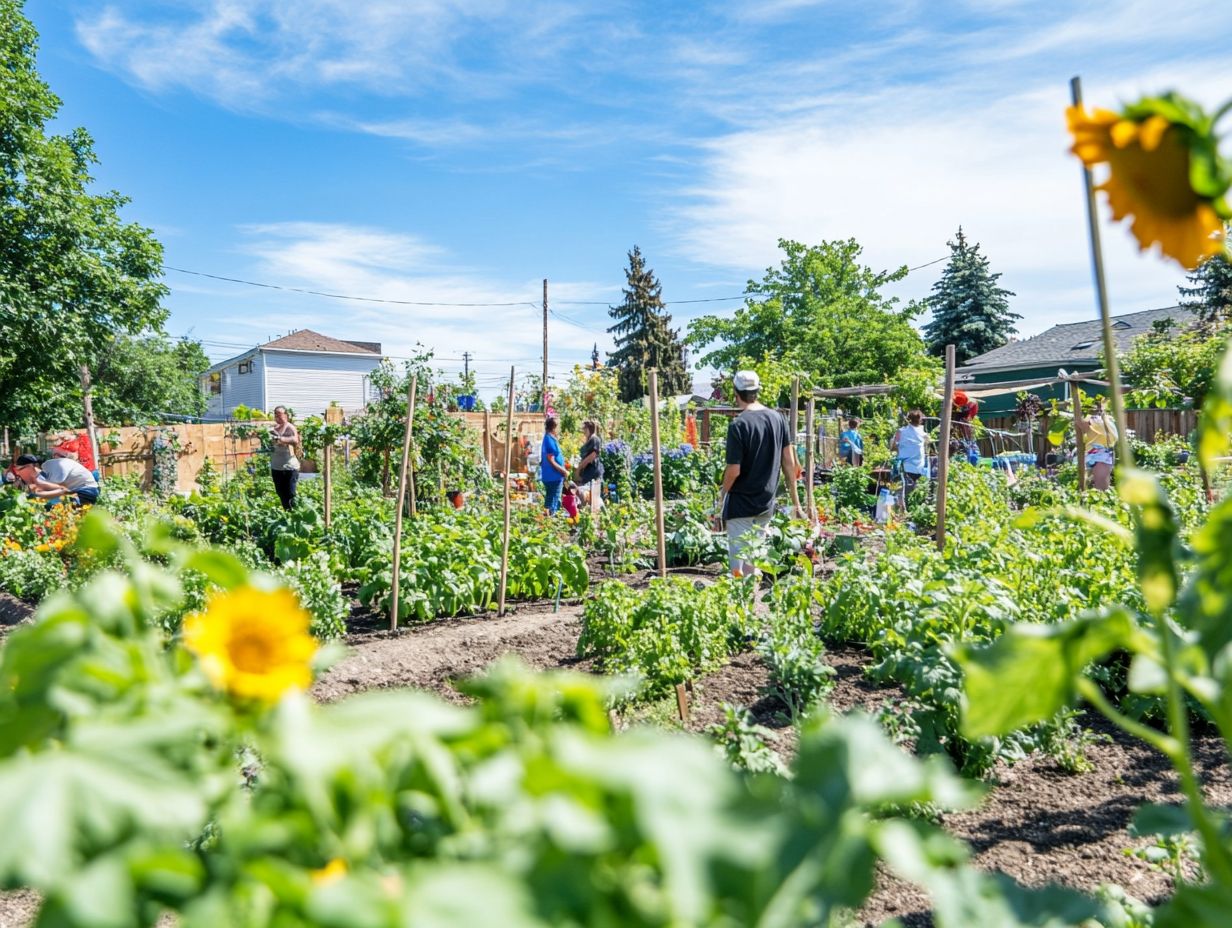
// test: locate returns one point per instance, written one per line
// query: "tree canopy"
(821, 312)
(969, 310)
(644, 336)
(72, 273)
(1210, 291)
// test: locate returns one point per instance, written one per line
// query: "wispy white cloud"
(393, 266)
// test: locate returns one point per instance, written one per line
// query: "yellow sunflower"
(252, 643)
(1153, 161)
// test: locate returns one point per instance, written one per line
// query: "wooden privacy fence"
(132, 450)
(1148, 425)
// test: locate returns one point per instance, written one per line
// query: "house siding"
(237, 389)
(307, 382)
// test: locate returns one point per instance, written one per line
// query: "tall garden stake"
(1111, 364)
(327, 476)
(504, 573)
(794, 418)
(1080, 444)
(657, 457)
(809, 505)
(943, 446)
(403, 477)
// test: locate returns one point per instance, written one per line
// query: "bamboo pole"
(504, 571)
(810, 509)
(943, 451)
(327, 475)
(1079, 442)
(403, 475)
(656, 454)
(1111, 364)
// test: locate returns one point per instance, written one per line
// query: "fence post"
(403, 476)
(656, 455)
(504, 571)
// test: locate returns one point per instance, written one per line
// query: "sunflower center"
(251, 651)
(1158, 179)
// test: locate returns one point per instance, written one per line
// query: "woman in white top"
(1100, 434)
(910, 444)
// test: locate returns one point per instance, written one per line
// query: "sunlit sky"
(461, 152)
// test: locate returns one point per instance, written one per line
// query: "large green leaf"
(1030, 672)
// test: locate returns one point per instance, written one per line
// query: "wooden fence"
(1148, 425)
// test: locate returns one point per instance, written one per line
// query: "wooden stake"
(682, 702)
(1079, 441)
(809, 507)
(504, 571)
(544, 395)
(1111, 364)
(656, 455)
(943, 452)
(794, 418)
(327, 461)
(403, 475)
(87, 402)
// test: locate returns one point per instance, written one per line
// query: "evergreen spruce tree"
(644, 336)
(1211, 294)
(969, 310)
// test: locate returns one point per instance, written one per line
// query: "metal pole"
(943, 451)
(504, 571)
(1112, 365)
(544, 400)
(403, 475)
(660, 534)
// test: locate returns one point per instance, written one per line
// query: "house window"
(1082, 345)
(215, 384)
(245, 367)
(1122, 324)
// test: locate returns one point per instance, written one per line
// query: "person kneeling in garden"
(61, 478)
(759, 446)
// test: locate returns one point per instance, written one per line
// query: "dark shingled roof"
(1074, 341)
(308, 340)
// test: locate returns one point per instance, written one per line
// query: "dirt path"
(430, 656)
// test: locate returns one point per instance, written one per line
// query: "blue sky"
(460, 151)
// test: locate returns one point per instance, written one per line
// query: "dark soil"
(13, 612)
(1037, 824)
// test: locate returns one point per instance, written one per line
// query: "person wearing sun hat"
(759, 446)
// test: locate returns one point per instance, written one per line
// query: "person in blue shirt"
(851, 444)
(551, 466)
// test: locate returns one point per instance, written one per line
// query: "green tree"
(969, 310)
(1210, 295)
(644, 336)
(822, 313)
(71, 272)
(143, 378)
(1166, 365)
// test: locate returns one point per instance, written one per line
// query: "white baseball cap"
(746, 380)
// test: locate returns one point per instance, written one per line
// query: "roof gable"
(1076, 341)
(308, 340)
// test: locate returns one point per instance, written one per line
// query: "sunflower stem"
(1220, 113)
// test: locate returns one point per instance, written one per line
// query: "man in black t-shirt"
(758, 447)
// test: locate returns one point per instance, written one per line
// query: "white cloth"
(69, 474)
(912, 446)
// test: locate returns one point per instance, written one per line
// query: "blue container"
(466, 403)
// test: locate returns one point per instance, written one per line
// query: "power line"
(336, 296)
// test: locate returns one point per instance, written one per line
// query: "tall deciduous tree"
(969, 310)
(1210, 293)
(821, 312)
(71, 272)
(644, 336)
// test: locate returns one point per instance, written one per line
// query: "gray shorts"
(740, 534)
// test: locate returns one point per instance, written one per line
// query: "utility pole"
(466, 365)
(544, 399)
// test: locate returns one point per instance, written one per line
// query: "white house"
(304, 371)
